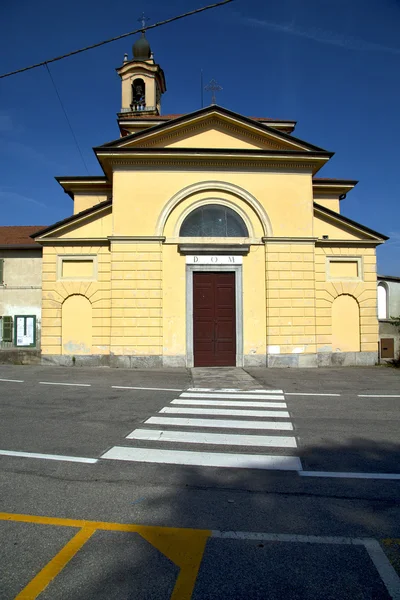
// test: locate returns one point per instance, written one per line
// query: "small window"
(7, 329)
(1, 271)
(213, 220)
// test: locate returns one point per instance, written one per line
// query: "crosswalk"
(191, 431)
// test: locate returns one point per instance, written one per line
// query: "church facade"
(209, 241)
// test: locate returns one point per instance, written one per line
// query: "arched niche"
(76, 325)
(345, 324)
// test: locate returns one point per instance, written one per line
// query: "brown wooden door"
(214, 319)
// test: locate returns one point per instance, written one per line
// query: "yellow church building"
(208, 241)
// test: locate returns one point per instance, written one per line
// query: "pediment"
(213, 128)
(93, 223)
(337, 227)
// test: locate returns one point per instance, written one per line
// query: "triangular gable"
(337, 227)
(95, 222)
(213, 127)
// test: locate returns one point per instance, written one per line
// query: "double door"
(214, 319)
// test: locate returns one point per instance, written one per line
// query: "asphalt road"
(349, 432)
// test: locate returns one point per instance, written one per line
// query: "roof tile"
(18, 235)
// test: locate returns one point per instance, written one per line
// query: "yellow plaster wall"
(290, 298)
(174, 301)
(328, 201)
(92, 227)
(136, 298)
(213, 138)
(323, 226)
(363, 291)
(254, 306)
(286, 197)
(87, 200)
(56, 291)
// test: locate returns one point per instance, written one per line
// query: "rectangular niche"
(344, 268)
(77, 268)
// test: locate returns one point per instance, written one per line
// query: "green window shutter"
(7, 329)
(1, 271)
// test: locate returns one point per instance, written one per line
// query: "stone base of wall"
(255, 360)
(103, 360)
(323, 359)
(20, 357)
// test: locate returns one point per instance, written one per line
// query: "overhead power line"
(66, 117)
(118, 37)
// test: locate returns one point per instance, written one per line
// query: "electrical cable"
(118, 37)
(66, 117)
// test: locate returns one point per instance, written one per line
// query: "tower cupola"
(143, 81)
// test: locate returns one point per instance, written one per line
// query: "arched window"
(382, 301)
(213, 220)
(138, 94)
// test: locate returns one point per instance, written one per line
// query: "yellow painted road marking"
(184, 547)
(56, 564)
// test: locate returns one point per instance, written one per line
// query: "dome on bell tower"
(141, 49)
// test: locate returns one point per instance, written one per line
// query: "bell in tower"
(143, 80)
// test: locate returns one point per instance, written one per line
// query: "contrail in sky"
(323, 36)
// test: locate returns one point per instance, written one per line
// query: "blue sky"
(332, 65)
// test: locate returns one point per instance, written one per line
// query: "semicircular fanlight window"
(213, 220)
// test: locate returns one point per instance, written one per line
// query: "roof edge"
(348, 221)
(83, 213)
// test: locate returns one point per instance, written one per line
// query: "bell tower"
(143, 82)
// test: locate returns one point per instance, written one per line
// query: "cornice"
(330, 242)
(215, 162)
(57, 241)
(126, 239)
(289, 240)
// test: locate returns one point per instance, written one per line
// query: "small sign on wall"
(25, 330)
(214, 259)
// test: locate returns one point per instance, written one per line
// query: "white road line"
(226, 412)
(230, 403)
(220, 423)
(234, 390)
(78, 459)
(378, 395)
(13, 380)
(375, 551)
(388, 575)
(245, 396)
(190, 437)
(350, 475)
(288, 537)
(308, 394)
(127, 387)
(70, 384)
(204, 459)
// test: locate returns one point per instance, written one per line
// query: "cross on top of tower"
(213, 87)
(143, 19)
